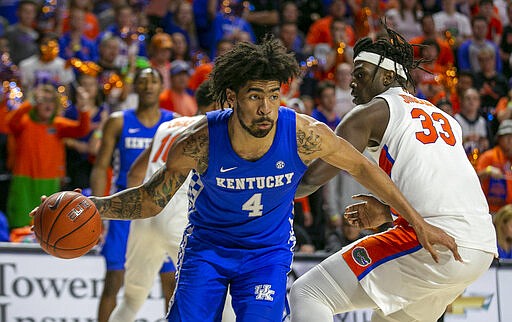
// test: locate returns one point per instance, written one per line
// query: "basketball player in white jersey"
(153, 240)
(420, 147)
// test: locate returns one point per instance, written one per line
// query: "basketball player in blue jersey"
(247, 163)
(153, 239)
(125, 135)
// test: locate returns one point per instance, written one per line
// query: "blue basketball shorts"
(114, 248)
(256, 277)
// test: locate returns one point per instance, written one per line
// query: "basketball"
(67, 224)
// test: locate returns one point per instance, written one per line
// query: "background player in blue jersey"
(247, 163)
(125, 135)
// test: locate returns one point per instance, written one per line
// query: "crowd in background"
(65, 65)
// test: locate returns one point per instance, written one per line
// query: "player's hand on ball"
(43, 198)
(369, 213)
(66, 224)
(34, 211)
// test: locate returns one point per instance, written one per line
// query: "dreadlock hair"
(268, 61)
(393, 46)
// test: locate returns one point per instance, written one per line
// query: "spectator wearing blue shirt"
(229, 24)
(204, 14)
(182, 21)
(2, 27)
(325, 110)
(8, 10)
(74, 44)
(467, 54)
(133, 42)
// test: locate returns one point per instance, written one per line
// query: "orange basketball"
(67, 224)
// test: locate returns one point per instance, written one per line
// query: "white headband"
(386, 63)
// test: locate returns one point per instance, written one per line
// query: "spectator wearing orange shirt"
(504, 107)
(39, 152)
(431, 73)
(320, 30)
(340, 51)
(160, 51)
(201, 72)
(445, 57)
(176, 98)
(494, 169)
(367, 15)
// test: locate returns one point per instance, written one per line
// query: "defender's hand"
(370, 213)
(429, 235)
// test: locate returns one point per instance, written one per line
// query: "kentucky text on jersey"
(255, 182)
(137, 143)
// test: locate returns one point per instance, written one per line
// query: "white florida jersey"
(422, 152)
(164, 137)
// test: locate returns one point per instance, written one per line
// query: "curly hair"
(203, 97)
(392, 46)
(268, 61)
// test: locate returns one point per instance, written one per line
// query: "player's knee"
(306, 292)
(299, 291)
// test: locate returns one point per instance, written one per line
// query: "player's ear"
(389, 76)
(230, 97)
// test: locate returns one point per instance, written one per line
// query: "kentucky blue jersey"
(247, 204)
(134, 139)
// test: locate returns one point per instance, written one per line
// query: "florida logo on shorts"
(360, 256)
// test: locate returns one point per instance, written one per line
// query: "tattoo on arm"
(308, 143)
(163, 185)
(143, 201)
(196, 148)
(126, 205)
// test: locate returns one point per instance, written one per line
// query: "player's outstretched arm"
(357, 128)
(147, 200)
(323, 143)
(143, 201)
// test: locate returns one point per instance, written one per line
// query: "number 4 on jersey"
(253, 205)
